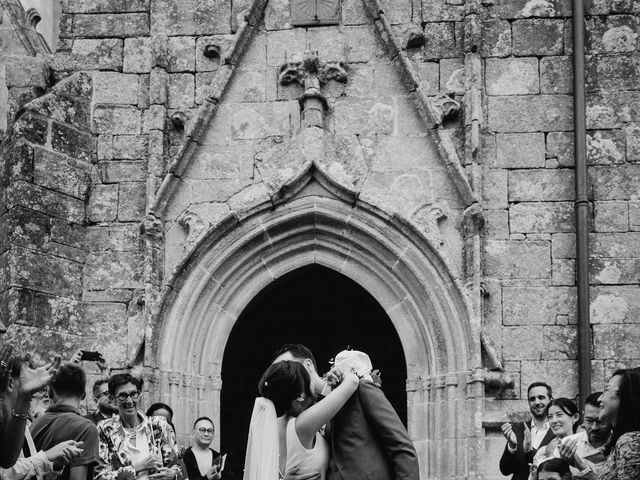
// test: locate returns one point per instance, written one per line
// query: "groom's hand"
(296, 475)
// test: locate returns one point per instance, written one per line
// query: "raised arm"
(390, 431)
(313, 418)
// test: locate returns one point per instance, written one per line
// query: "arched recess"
(379, 250)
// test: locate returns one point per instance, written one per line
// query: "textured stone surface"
(125, 94)
(556, 75)
(520, 150)
(530, 113)
(532, 185)
(547, 217)
(512, 76)
(190, 17)
(111, 25)
(518, 259)
(538, 37)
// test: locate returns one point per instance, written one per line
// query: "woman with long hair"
(284, 434)
(620, 406)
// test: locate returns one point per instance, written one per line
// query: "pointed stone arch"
(317, 220)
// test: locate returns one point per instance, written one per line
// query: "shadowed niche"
(321, 309)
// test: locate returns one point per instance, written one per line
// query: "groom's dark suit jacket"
(368, 441)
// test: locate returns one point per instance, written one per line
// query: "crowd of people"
(44, 436)
(304, 426)
(561, 443)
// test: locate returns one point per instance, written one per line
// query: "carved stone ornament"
(307, 70)
(447, 106)
(153, 230)
(194, 226)
(429, 218)
(315, 12)
(311, 74)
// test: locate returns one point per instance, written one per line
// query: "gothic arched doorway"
(320, 308)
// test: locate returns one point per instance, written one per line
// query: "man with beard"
(105, 404)
(524, 439)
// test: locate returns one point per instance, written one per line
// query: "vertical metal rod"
(581, 204)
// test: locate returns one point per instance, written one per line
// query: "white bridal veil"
(261, 462)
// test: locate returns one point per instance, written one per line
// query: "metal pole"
(581, 204)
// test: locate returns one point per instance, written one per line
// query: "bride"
(284, 434)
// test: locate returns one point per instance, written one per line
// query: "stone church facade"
(173, 159)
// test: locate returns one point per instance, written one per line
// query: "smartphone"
(88, 356)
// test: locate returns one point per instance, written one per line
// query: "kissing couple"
(305, 428)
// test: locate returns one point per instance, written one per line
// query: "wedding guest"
(14, 416)
(162, 410)
(621, 407)
(563, 416)
(553, 469)
(63, 421)
(105, 403)
(133, 445)
(200, 459)
(589, 443)
(524, 439)
(33, 462)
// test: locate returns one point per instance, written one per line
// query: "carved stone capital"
(174, 378)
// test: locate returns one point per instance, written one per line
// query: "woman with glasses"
(620, 406)
(132, 445)
(200, 460)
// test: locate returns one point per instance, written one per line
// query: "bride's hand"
(333, 377)
(350, 377)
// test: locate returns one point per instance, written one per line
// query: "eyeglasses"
(106, 392)
(206, 430)
(123, 396)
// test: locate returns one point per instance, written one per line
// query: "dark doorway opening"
(321, 309)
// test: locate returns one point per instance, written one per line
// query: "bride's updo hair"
(283, 382)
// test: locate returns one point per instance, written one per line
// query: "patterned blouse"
(623, 462)
(115, 459)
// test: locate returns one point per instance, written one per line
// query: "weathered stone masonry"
(156, 159)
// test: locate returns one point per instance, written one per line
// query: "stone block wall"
(528, 190)
(83, 163)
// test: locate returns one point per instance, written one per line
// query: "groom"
(367, 438)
